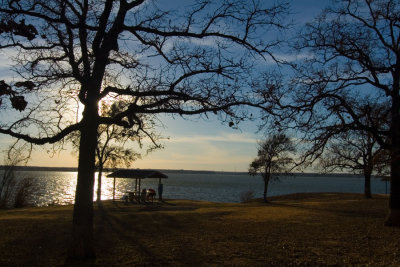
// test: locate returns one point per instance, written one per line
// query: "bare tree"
(357, 152)
(349, 70)
(273, 159)
(111, 152)
(114, 143)
(195, 60)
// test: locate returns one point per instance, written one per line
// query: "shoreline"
(182, 171)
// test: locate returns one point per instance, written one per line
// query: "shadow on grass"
(111, 228)
(131, 232)
(154, 235)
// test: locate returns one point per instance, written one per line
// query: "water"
(59, 187)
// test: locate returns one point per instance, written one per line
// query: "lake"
(58, 188)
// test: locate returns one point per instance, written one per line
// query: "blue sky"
(193, 144)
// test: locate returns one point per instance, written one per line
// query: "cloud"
(284, 57)
(223, 151)
(224, 137)
(198, 157)
(293, 57)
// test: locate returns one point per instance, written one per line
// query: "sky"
(192, 144)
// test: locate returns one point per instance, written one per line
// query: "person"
(125, 198)
(160, 191)
(151, 193)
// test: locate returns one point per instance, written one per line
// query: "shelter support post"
(114, 190)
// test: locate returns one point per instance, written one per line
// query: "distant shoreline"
(74, 169)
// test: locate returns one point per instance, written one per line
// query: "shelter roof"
(137, 174)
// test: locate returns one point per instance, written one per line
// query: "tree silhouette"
(350, 66)
(195, 60)
(114, 143)
(272, 159)
(358, 152)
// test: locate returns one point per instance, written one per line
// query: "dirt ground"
(324, 229)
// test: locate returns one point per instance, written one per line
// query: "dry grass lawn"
(304, 229)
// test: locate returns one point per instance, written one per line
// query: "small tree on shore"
(358, 152)
(272, 159)
(112, 142)
(110, 151)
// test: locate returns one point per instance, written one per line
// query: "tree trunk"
(266, 182)
(99, 183)
(367, 184)
(393, 218)
(82, 228)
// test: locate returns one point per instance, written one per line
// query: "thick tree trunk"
(82, 230)
(393, 218)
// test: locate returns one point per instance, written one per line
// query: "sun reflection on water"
(58, 188)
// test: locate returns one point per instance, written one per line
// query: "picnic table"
(139, 197)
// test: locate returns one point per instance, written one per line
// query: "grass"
(303, 229)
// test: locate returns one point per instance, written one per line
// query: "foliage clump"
(15, 192)
(247, 196)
